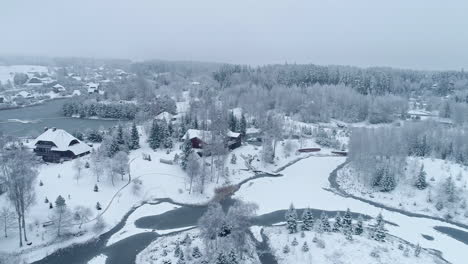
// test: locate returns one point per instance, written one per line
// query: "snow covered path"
(303, 183)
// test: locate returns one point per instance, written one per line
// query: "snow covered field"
(332, 248)
(159, 180)
(408, 198)
(8, 72)
(164, 248)
(303, 183)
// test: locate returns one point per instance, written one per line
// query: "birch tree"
(19, 169)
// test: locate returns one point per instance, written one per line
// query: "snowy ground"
(407, 197)
(339, 250)
(159, 180)
(8, 72)
(303, 183)
(162, 249)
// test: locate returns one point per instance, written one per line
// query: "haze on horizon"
(419, 34)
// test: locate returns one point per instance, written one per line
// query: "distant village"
(30, 85)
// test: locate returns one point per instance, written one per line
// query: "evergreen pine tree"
(177, 251)
(305, 247)
(186, 152)
(359, 226)
(417, 250)
(154, 138)
(450, 190)
(291, 219)
(347, 220)
(286, 249)
(134, 138)
(196, 253)
(232, 258)
(187, 240)
(387, 183)
(243, 125)
(325, 224)
(421, 183)
(337, 225)
(114, 147)
(96, 188)
(232, 122)
(307, 220)
(294, 242)
(221, 259)
(233, 158)
(98, 206)
(120, 135)
(379, 229)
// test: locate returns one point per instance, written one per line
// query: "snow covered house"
(92, 87)
(56, 145)
(34, 81)
(58, 88)
(165, 116)
(198, 138)
(24, 94)
(234, 140)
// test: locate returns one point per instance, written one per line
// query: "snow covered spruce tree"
(186, 153)
(134, 142)
(154, 138)
(324, 223)
(291, 219)
(421, 183)
(307, 220)
(337, 225)
(359, 226)
(378, 230)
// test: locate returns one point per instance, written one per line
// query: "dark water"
(125, 251)
(457, 234)
(48, 114)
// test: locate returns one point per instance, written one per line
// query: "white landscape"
(233, 132)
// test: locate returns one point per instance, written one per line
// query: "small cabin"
(57, 145)
(58, 88)
(234, 140)
(198, 138)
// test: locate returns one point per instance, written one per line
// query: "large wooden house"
(56, 145)
(199, 138)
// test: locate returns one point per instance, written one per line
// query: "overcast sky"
(422, 34)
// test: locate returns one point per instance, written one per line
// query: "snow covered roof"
(419, 112)
(63, 141)
(58, 86)
(92, 85)
(195, 133)
(23, 94)
(164, 115)
(253, 130)
(233, 134)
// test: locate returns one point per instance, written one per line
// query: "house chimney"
(45, 128)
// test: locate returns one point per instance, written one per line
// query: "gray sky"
(421, 34)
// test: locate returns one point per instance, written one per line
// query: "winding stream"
(447, 239)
